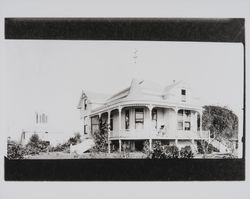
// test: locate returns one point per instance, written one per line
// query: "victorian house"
(145, 111)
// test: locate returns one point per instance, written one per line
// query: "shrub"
(15, 151)
(36, 145)
(186, 152)
(146, 149)
(171, 152)
(163, 152)
(65, 146)
(74, 140)
(101, 138)
(60, 147)
(203, 147)
(158, 150)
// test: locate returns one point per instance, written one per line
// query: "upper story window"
(139, 118)
(187, 126)
(180, 112)
(187, 113)
(85, 104)
(154, 117)
(127, 119)
(183, 95)
(111, 122)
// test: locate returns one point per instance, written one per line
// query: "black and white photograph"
(124, 99)
(152, 99)
(120, 98)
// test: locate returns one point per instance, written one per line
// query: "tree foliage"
(160, 151)
(15, 150)
(76, 139)
(36, 145)
(186, 152)
(101, 137)
(221, 122)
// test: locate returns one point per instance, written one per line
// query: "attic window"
(183, 95)
(85, 104)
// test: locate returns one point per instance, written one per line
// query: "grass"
(99, 155)
(114, 155)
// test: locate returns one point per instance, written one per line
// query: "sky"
(49, 75)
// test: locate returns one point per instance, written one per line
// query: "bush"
(146, 149)
(171, 152)
(74, 140)
(35, 145)
(15, 151)
(203, 147)
(163, 152)
(186, 152)
(66, 146)
(101, 138)
(60, 147)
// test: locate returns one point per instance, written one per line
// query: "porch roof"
(145, 103)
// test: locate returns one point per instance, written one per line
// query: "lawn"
(100, 155)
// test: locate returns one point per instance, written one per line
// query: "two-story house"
(146, 111)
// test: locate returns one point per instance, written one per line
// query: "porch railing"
(154, 134)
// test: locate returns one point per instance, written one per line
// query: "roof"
(138, 90)
(93, 97)
(96, 97)
(169, 87)
(142, 89)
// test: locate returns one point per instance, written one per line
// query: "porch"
(134, 134)
(140, 121)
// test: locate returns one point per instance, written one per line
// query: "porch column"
(120, 120)
(201, 121)
(120, 146)
(150, 144)
(176, 122)
(108, 131)
(150, 107)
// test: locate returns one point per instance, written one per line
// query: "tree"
(222, 124)
(221, 121)
(36, 145)
(34, 140)
(74, 140)
(101, 137)
(15, 150)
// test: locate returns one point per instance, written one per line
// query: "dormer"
(178, 92)
(183, 94)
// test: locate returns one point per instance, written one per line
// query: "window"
(126, 119)
(183, 95)
(154, 117)
(139, 118)
(111, 122)
(94, 124)
(85, 104)
(180, 125)
(187, 126)
(198, 122)
(187, 113)
(180, 112)
(85, 129)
